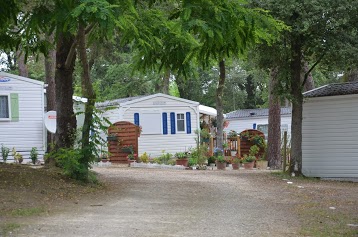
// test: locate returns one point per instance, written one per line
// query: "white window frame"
(8, 105)
(176, 121)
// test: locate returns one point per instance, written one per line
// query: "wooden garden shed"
(330, 131)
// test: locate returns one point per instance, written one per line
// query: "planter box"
(112, 138)
(261, 164)
(183, 162)
(249, 166)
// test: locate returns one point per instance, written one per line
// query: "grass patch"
(7, 228)
(285, 175)
(328, 223)
(28, 211)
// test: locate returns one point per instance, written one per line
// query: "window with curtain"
(4, 106)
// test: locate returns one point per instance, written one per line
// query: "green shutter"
(14, 100)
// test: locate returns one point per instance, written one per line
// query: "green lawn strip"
(27, 211)
(6, 228)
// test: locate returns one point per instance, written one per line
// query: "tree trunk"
(352, 75)
(23, 70)
(66, 120)
(166, 78)
(297, 97)
(50, 91)
(88, 92)
(274, 123)
(309, 84)
(219, 104)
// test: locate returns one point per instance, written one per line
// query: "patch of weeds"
(285, 175)
(326, 223)
(27, 211)
(7, 228)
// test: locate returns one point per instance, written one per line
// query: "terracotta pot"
(183, 162)
(221, 166)
(249, 166)
(235, 166)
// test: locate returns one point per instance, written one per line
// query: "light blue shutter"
(14, 101)
(188, 123)
(136, 119)
(165, 123)
(172, 123)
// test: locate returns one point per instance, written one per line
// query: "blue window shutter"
(172, 123)
(188, 123)
(165, 123)
(136, 119)
(254, 126)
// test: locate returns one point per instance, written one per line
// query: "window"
(263, 128)
(151, 122)
(180, 123)
(4, 107)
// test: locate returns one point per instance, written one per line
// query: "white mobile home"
(21, 114)
(330, 131)
(168, 123)
(241, 120)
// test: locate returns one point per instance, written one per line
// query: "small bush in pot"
(33, 155)
(4, 152)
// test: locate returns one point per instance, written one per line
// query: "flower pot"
(235, 166)
(261, 164)
(220, 165)
(249, 166)
(112, 138)
(183, 162)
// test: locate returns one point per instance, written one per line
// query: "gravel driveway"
(152, 202)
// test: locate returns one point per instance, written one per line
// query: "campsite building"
(168, 123)
(241, 120)
(330, 131)
(21, 114)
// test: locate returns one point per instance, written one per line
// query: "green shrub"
(171, 162)
(192, 161)
(33, 155)
(164, 158)
(4, 152)
(144, 157)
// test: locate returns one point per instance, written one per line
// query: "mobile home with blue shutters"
(21, 114)
(168, 123)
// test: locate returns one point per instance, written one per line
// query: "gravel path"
(151, 202)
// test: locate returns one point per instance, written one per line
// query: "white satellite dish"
(50, 121)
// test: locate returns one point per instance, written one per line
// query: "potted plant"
(33, 155)
(112, 137)
(127, 149)
(235, 162)
(245, 136)
(4, 152)
(131, 158)
(232, 134)
(181, 159)
(257, 140)
(248, 161)
(220, 162)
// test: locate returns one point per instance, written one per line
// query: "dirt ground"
(152, 202)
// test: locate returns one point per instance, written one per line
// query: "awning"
(207, 110)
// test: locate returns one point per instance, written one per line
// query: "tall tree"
(320, 32)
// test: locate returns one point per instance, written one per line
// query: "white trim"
(159, 95)
(334, 97)
(318, 88)
(8, 106)
(176, 120)
(22, 78)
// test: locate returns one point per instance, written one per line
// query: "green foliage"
(211, 159)
(144, 157)
(199, 154)
(254, 150)
(33, 155)
(181, 155)
(248, 158)
(17, 156)
(27, 211)
(192, 161)
(221, 159)
(69, 161)
(171, 162)
(4, 152)
(164, 158)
